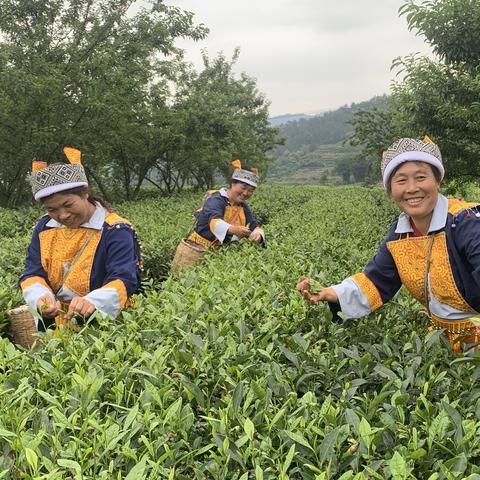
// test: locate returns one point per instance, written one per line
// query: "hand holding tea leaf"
(315, 286)
(239, 231)
(48, 306)
(255, 237)
(314, 292)
(80, 306)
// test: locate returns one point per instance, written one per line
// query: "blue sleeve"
(33, 261)
(213, 208)
(122, 261)
(467, 240)
(382, 271)
(367, 291)
(251, 222)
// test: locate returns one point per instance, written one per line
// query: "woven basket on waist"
(22, 326)
(187, 254)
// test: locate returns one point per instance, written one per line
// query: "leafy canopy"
(436, 97)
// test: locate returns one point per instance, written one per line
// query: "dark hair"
(92, 198)
(436, 172)
(232, 181)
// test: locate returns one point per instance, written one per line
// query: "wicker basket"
(187, 254)
(22, 326)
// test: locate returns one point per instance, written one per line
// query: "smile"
(413, 202)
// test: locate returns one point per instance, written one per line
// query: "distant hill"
(315, 165)
(290, 117)
(314, 151)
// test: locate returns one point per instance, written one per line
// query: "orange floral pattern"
(119, 286)
(58, 247)
(455, 206)
(235, 215)
(369, 290)
(32, 280)
(410, 256)
(442, 283)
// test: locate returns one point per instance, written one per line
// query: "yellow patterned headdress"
(49, 179)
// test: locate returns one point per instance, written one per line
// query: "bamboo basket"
(22, 326)
(187, 254)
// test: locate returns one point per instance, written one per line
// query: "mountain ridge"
(315, 148)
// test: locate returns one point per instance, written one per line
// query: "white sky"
(307, 55)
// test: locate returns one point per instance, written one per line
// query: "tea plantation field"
(224, 372)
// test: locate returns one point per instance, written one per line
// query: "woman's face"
(69, 209)
(415, 189)
(240, 192)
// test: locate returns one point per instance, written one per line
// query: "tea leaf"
(288, 459)
(64, 462)
(298, 438)
(136, 473)
(31, 457)
(249, 428)
(398, 467)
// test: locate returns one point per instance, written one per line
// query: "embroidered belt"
(458, 327)
(459, 333)
(196, 238)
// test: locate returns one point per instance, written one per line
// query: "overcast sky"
(307, 55)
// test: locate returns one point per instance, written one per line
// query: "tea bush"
(224, 372)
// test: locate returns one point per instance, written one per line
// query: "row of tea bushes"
(224, 372)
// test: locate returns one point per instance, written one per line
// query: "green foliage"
(439, 99)
(224, 372)
(80, 73)
(220, 118)
(450, 27)
(96, 75)
(329, 128)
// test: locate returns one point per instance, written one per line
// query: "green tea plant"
(224, 372)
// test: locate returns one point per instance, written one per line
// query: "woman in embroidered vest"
(82, 257)
(433, 249)
(224, 218)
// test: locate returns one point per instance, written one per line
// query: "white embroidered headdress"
(410, 149)
(49, 179)
(246, 176)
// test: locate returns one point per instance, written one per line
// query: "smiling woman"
(224, 218)
(70, 209)
(433, 249)
(414, 188)
(82, 257)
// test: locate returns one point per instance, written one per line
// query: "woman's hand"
(79, 306)
(239, 231)
(48, 306)
(256, 236)
(326, 295)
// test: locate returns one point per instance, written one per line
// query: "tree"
(344, 169)
(224, 117)
(81, 72)
(438, 98)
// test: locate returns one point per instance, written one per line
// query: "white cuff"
(353, 302)
(220, 230)
(32, 293)
(106, 301)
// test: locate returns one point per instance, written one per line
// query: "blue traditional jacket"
(98, 260)
(217, 215)
(452, 289)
